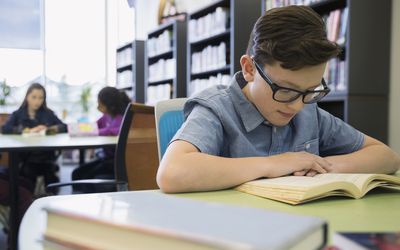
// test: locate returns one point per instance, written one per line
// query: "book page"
(305, 182)
(33, 134)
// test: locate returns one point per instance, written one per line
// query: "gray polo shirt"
(221, 121)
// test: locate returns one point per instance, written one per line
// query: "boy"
(267, 123)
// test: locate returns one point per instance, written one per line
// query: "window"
(20, 24)
(80, 40)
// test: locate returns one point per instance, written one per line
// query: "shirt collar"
(250, 116)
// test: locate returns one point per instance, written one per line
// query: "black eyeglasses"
(282, 94)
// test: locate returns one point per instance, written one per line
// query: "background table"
(18, 143)
(379, 211)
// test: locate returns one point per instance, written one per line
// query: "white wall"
(147, 13)
(394, 107)
(190, 6)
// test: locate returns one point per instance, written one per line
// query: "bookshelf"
(165, 62)
(360, 82)
(130, 70)
(217, 37)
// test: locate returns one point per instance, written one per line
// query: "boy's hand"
(310, 173)
(299, 164)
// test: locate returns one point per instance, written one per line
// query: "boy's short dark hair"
(293, 35)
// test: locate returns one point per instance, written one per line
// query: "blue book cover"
(366, 241)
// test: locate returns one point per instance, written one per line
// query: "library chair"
(3, 155)
(169, 118)
(4, 210)
(136, 160)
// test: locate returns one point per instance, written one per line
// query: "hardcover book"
(153, 220)
(366, 241)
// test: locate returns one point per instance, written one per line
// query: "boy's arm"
(373, 157)
(185, 169)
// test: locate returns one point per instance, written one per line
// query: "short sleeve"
(336, 136)
(203, 129)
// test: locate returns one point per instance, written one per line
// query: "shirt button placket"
(275, 142)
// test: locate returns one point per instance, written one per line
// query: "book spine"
(325, 240)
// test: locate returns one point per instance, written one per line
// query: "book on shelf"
(366, 240)
(300, 189)
(153, 220)
(209, 25)
(335, 74)
(160, 44)
(336, 24)
(343, 27)
(124, 57)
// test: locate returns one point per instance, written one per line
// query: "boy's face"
(261, 94)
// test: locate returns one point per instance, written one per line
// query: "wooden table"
(378, 211)
(18, 143)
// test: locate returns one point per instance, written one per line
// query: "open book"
(33, 134)
(300, 189)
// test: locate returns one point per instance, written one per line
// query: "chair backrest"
(3, 155)
(3, 119)
(169, 118)
(136, 158)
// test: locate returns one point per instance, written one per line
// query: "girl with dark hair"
(112, 103)
(34, 116)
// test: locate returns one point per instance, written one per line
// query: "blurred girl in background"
(33, 116)
(112, 103)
